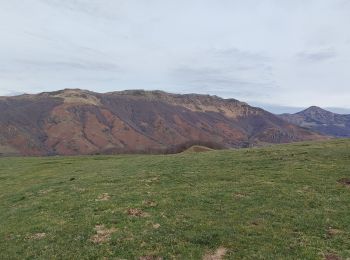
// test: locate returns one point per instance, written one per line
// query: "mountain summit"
(74, 121)
(321, 121)
(317, 113)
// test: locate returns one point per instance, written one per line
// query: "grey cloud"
(344, 4)
(229, 72)
(241, 55)
(207, 76)
(222, 83)
(22, 69)
(317, 56)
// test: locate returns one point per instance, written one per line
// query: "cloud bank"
(280, 53)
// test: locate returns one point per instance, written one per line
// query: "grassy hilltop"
(281, 202)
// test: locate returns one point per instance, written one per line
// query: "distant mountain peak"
(316, 112)
(322, 121)
(314, 108)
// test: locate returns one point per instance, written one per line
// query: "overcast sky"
(293, 53)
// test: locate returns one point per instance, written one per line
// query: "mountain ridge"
(74, 121)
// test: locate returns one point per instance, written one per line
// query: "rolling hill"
(321, 121)
(73, 122)
(279, 202)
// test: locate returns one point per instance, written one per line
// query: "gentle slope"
(280, 202)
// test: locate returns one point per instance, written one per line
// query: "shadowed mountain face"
(71, 122)
(321, 121)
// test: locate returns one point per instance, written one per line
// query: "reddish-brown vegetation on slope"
(71, 122)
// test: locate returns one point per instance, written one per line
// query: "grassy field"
(280, 202)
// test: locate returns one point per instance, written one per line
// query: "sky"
(280, 54)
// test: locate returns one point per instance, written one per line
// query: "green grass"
(277, 202)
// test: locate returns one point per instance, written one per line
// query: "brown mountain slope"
(71, 122)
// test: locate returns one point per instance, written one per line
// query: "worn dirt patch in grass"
(149, 203)
(43, 192)
(150, 257)
(151, 180)
(79, 189)
(37, 236)
(239, 195)
(137, 213)
(217, 255)
(257, 222)
(156, 226)
(103, 197)
(332, 232)
(103, 234)
(332, 257)
(345, 181)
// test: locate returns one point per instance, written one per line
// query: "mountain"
(321, 121)
(73, 121)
